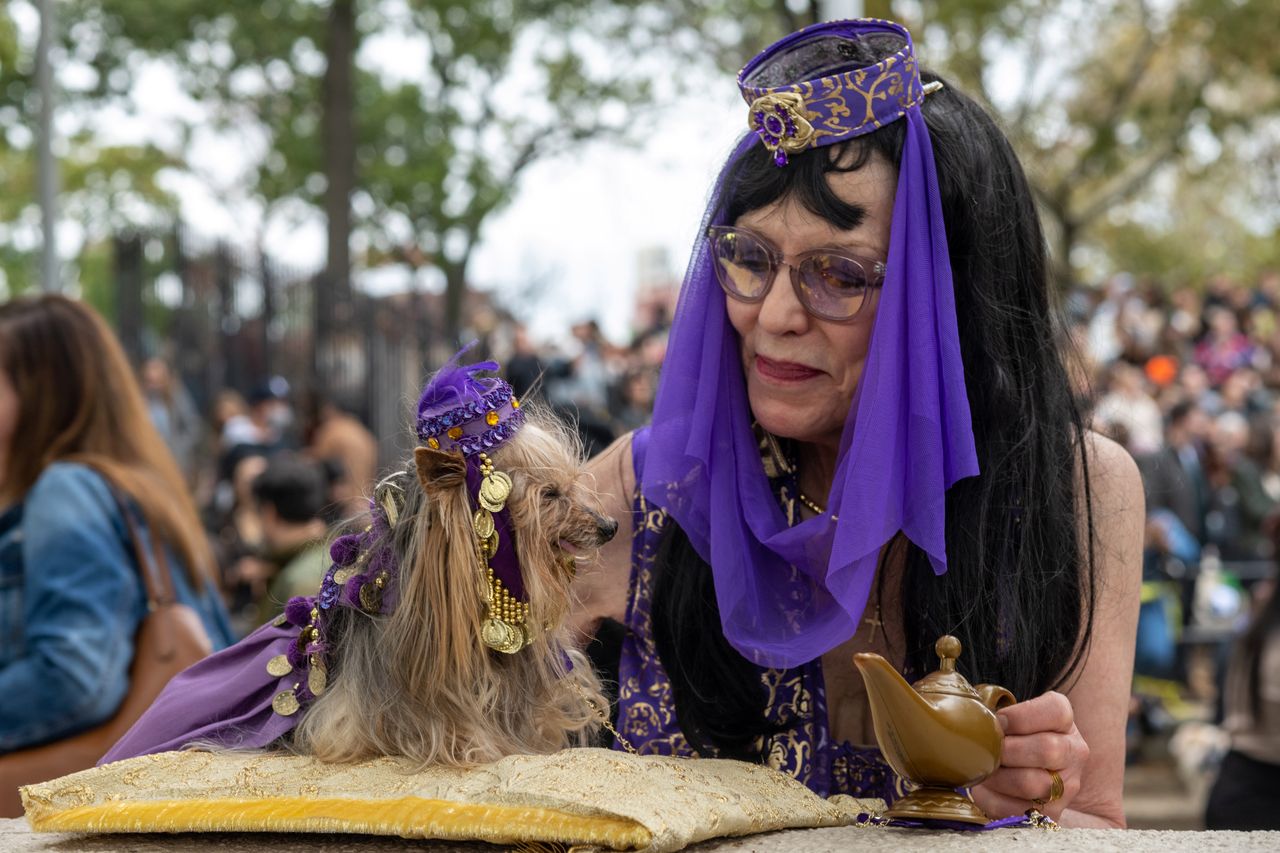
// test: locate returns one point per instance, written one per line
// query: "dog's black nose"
(608, 527)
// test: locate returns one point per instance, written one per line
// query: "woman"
(863, 439)
(1244, 795)
(75, 441)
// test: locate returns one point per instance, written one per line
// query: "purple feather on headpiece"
(455, 384)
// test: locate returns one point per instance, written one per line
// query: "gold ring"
(1056, 789)
(1059, 788)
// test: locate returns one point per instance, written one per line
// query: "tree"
(105, 187)
(16, 167)
(428, 153)
(1101, 99)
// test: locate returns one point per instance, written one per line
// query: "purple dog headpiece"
(460, 411)
(787, 594)
(463, 413)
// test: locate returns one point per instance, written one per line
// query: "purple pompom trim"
(345, 549)
(298, 610)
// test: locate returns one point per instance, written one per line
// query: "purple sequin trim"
(329, 590)
(470, 445)
(495, 399)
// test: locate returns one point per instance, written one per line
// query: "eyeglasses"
(830, 285)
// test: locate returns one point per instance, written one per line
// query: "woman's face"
(802, 371)
(8, 423)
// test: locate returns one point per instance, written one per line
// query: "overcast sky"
(577, 224)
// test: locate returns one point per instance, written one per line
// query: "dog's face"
(555, 512)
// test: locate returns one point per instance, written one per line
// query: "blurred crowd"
(605, 389)
(1188, 381)
(273, 469)
(270, 472)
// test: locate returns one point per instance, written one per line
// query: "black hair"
(1181, 411)
(1019, 592)
(1253, 644)
(295, 487)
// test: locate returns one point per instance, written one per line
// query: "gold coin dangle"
(317, 677)
(279, 666)
(286, 703)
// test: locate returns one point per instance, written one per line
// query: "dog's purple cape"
(224, 700)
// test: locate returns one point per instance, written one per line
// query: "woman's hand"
(1040, 736)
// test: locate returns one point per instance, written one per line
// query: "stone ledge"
(16, 837)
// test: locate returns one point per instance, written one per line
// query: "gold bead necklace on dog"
(505, 627)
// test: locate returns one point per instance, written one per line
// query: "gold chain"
(604, 720)
(808, 502)
(1042, 821)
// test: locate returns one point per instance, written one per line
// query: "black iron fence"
(227, 318)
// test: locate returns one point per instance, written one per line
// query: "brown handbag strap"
(153, 566)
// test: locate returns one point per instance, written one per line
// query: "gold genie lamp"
(940, 733)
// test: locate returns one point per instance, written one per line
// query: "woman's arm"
(1082, 734)
(81, 601)
(600, 590)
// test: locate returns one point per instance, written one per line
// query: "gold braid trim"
(408, 817)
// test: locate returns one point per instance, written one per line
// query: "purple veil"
(788, 594)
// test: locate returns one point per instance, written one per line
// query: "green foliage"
(438, 149)
(1101, 99)
(1109, 103)
(104, 188)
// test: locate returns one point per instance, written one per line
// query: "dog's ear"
(439, 470)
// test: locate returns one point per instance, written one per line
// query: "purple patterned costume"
(797, 696)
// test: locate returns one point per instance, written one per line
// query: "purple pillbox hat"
(460, 411)
(788, 594)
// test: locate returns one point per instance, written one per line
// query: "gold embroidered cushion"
(580, 796)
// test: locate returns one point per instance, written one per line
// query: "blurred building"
(657, 288)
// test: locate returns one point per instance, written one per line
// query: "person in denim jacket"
(74, 434)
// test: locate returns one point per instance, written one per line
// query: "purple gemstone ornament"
(779, 120)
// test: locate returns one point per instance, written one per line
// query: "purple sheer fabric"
(907, 439)
(797, 699)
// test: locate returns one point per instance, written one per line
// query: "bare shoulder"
(600, 590)
(1118, 514)
(1115, 484)
(612, 475)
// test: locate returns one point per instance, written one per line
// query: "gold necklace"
(810, 503)
(604, 719)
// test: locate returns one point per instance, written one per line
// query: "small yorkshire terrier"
(438, 633)
(421, 682)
